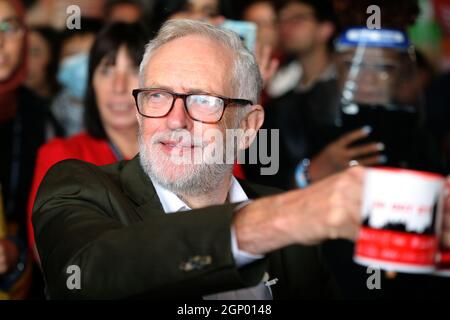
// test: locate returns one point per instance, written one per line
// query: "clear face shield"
(376, 70)
(374, 66)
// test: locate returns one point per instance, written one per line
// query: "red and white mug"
(402, 213)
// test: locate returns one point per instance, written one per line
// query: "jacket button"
(196, 263)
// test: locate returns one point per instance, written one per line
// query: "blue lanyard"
(115, 151)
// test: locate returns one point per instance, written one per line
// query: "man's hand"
(337, 155)
(446, 232)
(329, 209)
(9, 255)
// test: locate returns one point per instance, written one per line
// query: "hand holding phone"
(342, 153)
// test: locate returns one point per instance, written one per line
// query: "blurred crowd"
(66, 93)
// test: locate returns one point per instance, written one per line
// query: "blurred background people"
(54, 12)
(75, 41)
(129, 11)
(437, 101)
(213, 11)
(263, 14)
(43, 57)
(308, 116)
(437, 112)
(24, 123)
(319, 135)
(412, 92)
(374, 79)
(67, 106)
(306, 31)
(110, 112)
(198, 10)
(303, 91)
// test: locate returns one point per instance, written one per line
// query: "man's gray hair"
(246, 78)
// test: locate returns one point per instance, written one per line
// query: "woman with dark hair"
(110, 119)
(43, 56)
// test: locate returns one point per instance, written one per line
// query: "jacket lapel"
(139, 188)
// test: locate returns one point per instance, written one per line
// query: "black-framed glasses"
(202, 107)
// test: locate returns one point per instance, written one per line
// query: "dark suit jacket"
(109, 221)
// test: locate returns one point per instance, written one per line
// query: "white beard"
(188, 179)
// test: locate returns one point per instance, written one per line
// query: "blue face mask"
(73, 74)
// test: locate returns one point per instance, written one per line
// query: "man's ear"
(250, 124)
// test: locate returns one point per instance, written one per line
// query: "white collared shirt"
(172, 203)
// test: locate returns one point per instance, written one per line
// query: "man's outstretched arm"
(79, 220)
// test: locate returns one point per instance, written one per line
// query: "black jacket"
(109, 221)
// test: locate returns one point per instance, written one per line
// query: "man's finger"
(354, 202)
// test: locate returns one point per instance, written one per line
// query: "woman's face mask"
(73, 74)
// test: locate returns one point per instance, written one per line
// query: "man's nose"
(178, 117)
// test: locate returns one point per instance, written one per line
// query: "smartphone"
(393, 127)
(246, 31)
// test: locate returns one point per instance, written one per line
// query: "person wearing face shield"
(361, 117)
(375, 68)
(376, 125)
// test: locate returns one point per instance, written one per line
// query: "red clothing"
(81, 147)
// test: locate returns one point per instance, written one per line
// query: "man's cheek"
(146, 131)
